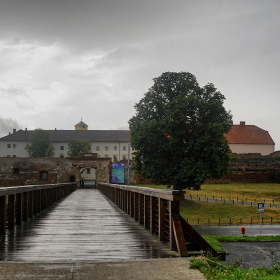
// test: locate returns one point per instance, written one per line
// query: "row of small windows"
(62, 147)
(10, 146)
(97, 148)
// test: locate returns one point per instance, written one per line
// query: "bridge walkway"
(84, 226)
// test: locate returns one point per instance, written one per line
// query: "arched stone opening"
(88, 177)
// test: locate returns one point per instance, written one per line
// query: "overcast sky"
(63, 60)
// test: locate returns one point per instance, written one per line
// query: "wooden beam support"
(173, 209)
(179, 236)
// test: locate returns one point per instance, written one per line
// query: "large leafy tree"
(178, 132)
(77, 146)
(40, 144)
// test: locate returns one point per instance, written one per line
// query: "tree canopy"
(77, 146)
(178, 132)
(40, 144)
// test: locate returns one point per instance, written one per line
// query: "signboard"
(117, 172)
(260, 207)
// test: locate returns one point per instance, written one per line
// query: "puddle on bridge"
(82, 227)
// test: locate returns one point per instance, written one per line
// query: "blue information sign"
(117, 172)
(260, 207)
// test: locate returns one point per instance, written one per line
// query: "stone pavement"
(149, 269)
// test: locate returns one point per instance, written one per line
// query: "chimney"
(14, 130)
(242, 123)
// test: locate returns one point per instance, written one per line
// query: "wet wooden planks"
(83, 226)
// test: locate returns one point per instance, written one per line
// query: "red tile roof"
(248, 134)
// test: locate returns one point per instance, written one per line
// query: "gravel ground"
(160, 269)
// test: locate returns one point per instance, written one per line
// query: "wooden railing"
(18, 204)
(159, 212)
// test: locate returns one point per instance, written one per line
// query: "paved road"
(151, 269)
(250, 254)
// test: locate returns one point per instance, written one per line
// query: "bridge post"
(132, 204)
(25, 206)
(141, 209)
(128, 202)
(135, 203)
(30, 204)
(146, 212)
(161, 226)
(11, 211)
(153, 211)
(174, 208)
(19, 207)
(34, 200)
(3, 203)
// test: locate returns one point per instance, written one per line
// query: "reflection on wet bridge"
(82, 226)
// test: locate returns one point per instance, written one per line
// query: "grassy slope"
(218, 212)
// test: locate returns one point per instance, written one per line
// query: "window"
(124, 157)
(61, 148)
(14, 156)
(16, 170)
(124, 148)
(14, 146)
(9, 146)
(115, 148)
(97, 148)
(106, 148)
(43, 175)
(88, 170)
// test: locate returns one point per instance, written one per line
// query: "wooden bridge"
(63, 223)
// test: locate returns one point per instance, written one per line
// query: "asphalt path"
(248, 254)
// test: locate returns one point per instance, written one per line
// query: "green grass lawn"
(204, 213)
